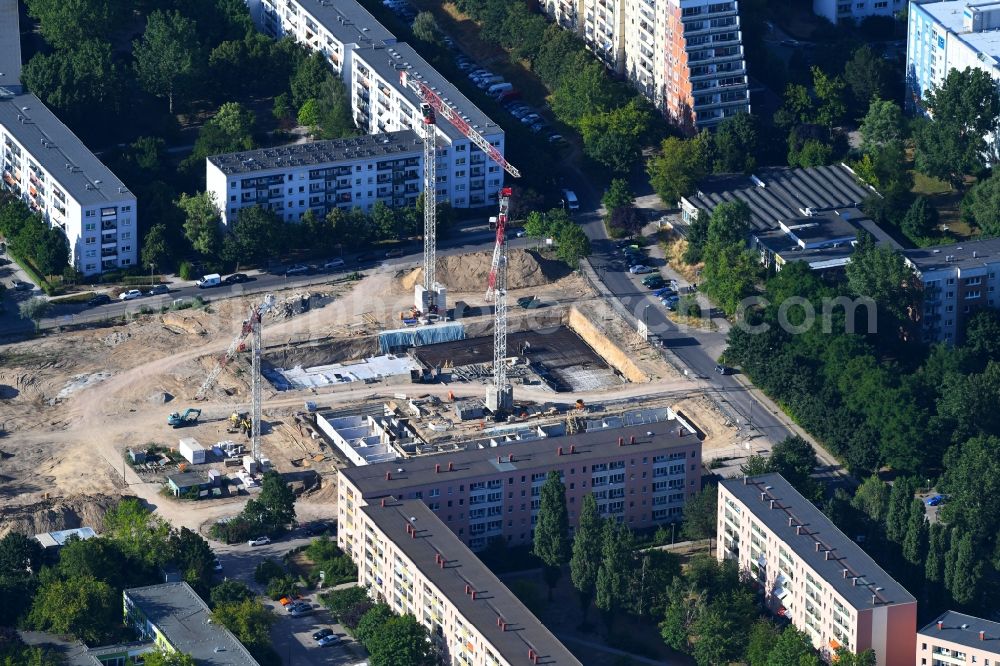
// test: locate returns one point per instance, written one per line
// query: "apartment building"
(48, 167)
(685, 56)
(957, 279)
(640, 475)
(465, 175)
(335, 28)
(956, 638)
(942, 36)
(370, 60)
(811, 573)
(319, 176)
(840, 11)
(410, 559)
(10, 48)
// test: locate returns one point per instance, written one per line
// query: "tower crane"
(500, 399)
(431, 107)
(252, 327)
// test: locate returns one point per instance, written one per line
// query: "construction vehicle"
(240, 422)
(188, 418)
(429, 296)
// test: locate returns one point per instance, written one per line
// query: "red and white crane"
(500, 398)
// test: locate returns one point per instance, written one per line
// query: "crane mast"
(500, 399)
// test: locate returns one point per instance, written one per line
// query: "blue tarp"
(418, 336)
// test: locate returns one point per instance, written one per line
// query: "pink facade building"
(955, 638)
(640, 475)
(813, 574)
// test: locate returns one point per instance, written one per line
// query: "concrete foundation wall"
(614, 355)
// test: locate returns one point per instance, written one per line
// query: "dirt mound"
(468, 272)
(57, 514)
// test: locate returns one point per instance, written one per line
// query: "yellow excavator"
(240, 422)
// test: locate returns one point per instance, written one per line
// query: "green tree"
(845, 657)
(249, 620)
(309, 78)
(77, 80)
(967, 575)
(372, 621)
(257, 235)
(35, 309)
(831, 95)
(193, 557)
(797, 107)
(734, 144)
(898, 512)
(230, 592)
(201, 222)
(584, 90)
(793, 647)
(614, 138)
(19, 554)
(278, 499)
(101, 559)
(872, 498)
(915, 540)
(165, 658)
(697, 237)
(795, 459)
(975, 507)
(339, 602)
(67, 23)
(229, 130)
(675, 171)
(167, 58)
(586, 557)
(881, 274)
(881, 126)
(763, 637)
(722, 629)
(701, 513)
(868, 75)
(401, 641)
(920, 221)
(808, 152)
(618, 195)
(156, 250)
(614, 574)
(982, 204)
(139, 534)
(937, 546)
(572, 245)
(551, 544)
(80, 606)
(426, 29)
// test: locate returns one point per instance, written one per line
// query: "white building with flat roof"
(47, 166)
(319, 176)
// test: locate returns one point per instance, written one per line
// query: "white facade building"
(685, 56)
(369, 59)
(838, 11)
(942, 36)
(48, 167)
(318, 176)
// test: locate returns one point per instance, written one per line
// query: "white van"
(210, 280)
(570, 200)
(498, 89)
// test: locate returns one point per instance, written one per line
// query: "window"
(90, 213)
(90, 226)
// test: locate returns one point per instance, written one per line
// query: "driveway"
(292, 639)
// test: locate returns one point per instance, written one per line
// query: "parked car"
(639, 269)
(394, 252)
(555, 138)
(333, 264)
(157, 289)
(300, 610)
(530, 118)
(654, 282)
(322, 633)
(100, 299)
(934, 501)
(465, 65)
(297, 269)
(572, 202)
(259, 541)
(316, 529)
(663, 292)
(129, 295)
(236, 278)
(332, 639)
(723, 370)
(210, 280)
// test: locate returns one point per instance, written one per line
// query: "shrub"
(280, 586)
(185, 270)
(267, 570)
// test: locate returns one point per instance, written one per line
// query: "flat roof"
(389, 61)
(390, 144)
(56, 149)
(968, 254)
(187, 479)
(782, 504)
(462, 567)
(781, 194)
(527, 455)
(10, 46)
(348, 21)
(950, 15)
(59, 538)
(964, 630)
(183, 618)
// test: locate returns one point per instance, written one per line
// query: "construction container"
(214, 477)
(191, 450)
(249, 464)
(137, 457)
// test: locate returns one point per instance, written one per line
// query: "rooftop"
(183, 618)
(59, 151)
(462, 568)
(519, 455)
(809, 533)
(950, 15)
(187, 479)
(319, 152)
(389, 61)
(10, 46)
(782, 194)
(50, 539)
(964, 630)
(348, 21)
(964, 255)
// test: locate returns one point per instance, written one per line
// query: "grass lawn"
(948, 203)
(929, 186)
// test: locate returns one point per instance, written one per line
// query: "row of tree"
(30, 239)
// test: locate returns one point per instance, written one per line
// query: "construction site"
(465, 350)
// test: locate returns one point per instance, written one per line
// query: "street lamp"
(152, 267)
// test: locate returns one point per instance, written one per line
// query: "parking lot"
(293, 641)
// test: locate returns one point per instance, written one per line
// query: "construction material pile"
(468, 272)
